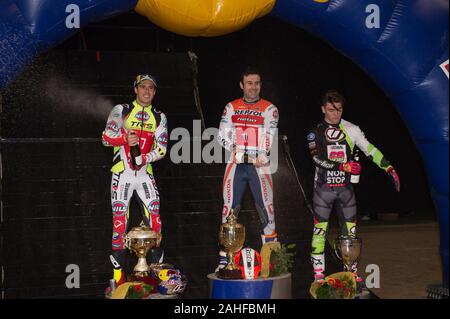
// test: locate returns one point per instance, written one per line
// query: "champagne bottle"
(354, 179)
(135, 152)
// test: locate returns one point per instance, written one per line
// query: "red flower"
(137, 288)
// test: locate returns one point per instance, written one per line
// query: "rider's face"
(145, 92)
(333, 112)
(251, 87)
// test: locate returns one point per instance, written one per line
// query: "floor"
(407, 256)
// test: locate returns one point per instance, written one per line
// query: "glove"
(394, 177)
(351, 167)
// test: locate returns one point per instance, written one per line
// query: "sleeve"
(160, 144)
(314, 147)
(373, 153)
(225, 135)
(114, 134)
(270, 128)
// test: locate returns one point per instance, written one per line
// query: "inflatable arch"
(402, 44)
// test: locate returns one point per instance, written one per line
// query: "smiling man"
(332, 144)
(137, 124)
(247, 129)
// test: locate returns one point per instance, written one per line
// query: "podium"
(279, 287)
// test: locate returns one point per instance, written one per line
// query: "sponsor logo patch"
(153, 207)
(119, 208)
(142, 116)
(337, 153)
(333, 134)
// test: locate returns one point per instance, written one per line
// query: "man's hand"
(351, 167)
(261, 160)
(132, 138)
(394, 177)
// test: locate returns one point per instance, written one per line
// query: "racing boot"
(318, 263)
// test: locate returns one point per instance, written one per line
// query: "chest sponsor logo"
(142, 116)
(333, 134)
(337, 153)
(248, 112)
(247, 119)
(138, 124)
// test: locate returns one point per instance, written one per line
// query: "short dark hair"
(249, 70)
(333, 96)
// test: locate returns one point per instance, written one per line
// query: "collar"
(136, 104)
(251, 103)
(328, 124)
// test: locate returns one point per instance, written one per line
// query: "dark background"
(56, 192)
(297, 68)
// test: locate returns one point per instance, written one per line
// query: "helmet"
(172, 282)
(249, 262)
(143, 77)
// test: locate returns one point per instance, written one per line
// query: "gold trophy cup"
(141, 240)
(348, 249)
(232, 238)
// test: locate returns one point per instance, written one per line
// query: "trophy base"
(229, 274)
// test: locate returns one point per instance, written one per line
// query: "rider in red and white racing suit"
(137, 123)
(247, 129)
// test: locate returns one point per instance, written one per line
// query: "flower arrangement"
(281, 260)
(139, 290)
(341, 285)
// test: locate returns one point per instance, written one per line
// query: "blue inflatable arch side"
(402, 44)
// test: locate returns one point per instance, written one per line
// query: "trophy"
(231, 237)
(141, 240)
(348, 249)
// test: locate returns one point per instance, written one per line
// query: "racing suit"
(249, 128)
(150, 126)
(331, 146)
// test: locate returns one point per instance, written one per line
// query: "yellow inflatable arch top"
(203, 17)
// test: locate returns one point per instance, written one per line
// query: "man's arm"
(377, 157)
(114, 134)
(373, 153)
(161, 139)
(225, 135)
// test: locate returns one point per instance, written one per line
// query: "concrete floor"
(407, 256)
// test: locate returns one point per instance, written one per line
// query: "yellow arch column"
(203, 17)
